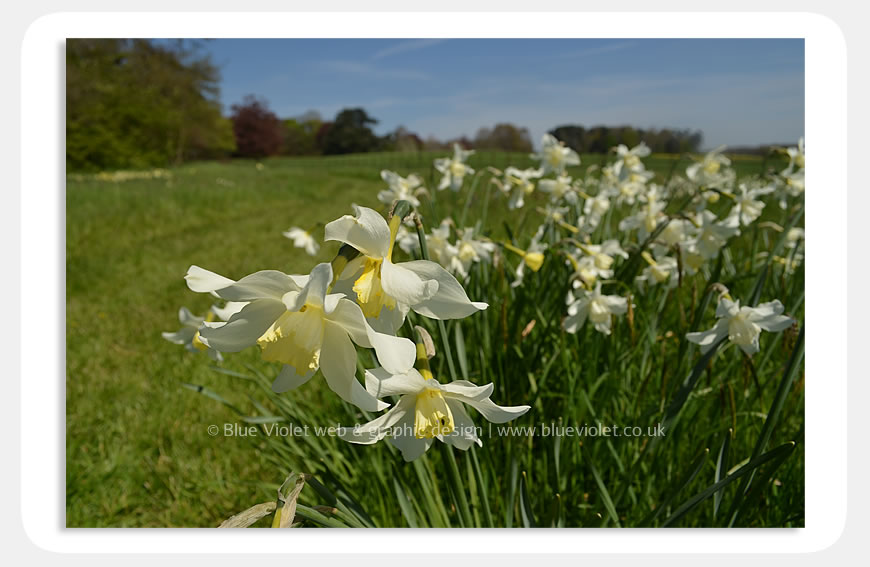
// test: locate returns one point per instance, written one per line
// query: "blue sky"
(737, 91)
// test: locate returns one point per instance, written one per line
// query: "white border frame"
(43, 492)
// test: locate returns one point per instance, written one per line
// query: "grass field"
(137, 448)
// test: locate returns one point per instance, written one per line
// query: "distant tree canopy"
(300, 134)
(506, 137)
(133, 103)
(599, 139)
(350, 133)
(258, 131)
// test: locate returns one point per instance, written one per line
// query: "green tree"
(135, 103)
(350, 133)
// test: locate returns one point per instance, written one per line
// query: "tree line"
(136, 103)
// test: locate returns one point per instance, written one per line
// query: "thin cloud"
(402, 47)
(358, 68)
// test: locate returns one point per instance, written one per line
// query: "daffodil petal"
(314, 292)
(577, 314)
(182, 336)
(244, 328)
(405, 441)
(381, 383)
(706, 339)
(396, 354)
(338, 364)
(406, 286)
(368, 232)
(465, 389)
(203, 281)
(496, 413)
(450, 300)
(188, 319)
(464, 434)
(270, 284)
(231, 308)
(289, 379)
(378, 428)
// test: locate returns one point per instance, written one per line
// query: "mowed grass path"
(138, 452)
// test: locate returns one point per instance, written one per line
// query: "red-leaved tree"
(257, 129)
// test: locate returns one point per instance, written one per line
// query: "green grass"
(138, 451)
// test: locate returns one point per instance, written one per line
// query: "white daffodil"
(662, 270)
(597, 260)
(303, 239)
(632, 185)
(188, 334)
(559, 188)
(691, 259)
(629, 159)
(427, 410)
(407, 240)
(556, 215)
(593, 306)
(746, 206)
(645, 220)
(793, 237)
(711, 170)
(713, 233)
(677, 231)
(742, 325)
(794, 183)
(438, 243)
(796, 158)
(454, 169)
(296, 321)
(470, 250)
(386, 291)
(400, 188)
(555, 156)
(519, 183)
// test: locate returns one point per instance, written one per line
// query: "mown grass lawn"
(137, 448)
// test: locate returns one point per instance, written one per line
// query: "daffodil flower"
(470, 250)
(711, 170)
(427, 410)
(662, 270)
(742, 325)
(438, 243)
(518, 184)
(629, 159)
(555, 156)
(713, 233)
(296, 321)
(386, 291)
(559, 188)
(632, 184)
(592, 305)
(400, 188)
(746, 207)
(532, 258)
(188, 334)
(303, 239)
(796, 158)
(597, 260)
(454, 170)
(646, 220)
